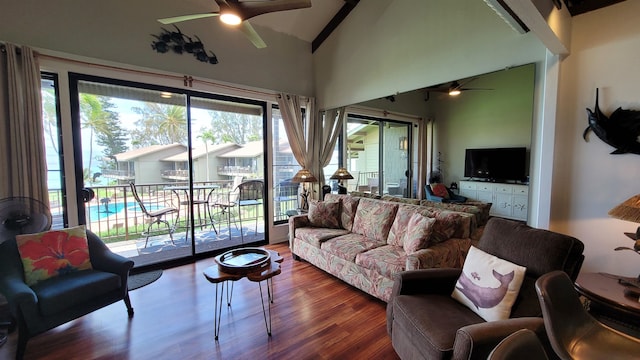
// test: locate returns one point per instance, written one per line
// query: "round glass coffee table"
(256, 264)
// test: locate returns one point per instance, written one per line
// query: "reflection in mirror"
(491, 110)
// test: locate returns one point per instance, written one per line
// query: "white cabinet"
(509, 200)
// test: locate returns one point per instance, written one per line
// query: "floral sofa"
(365, 241)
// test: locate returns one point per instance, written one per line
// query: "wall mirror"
(493, 110)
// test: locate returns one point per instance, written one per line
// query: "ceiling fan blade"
(467, 89)
(443, 90)
(253, 36)
(176, 19)
(251, 9)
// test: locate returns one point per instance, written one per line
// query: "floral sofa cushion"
(418, 235)
(348, 210)
(399, 226)
(349, 245)
(374, 218)
(386, 260)
(400, 199)
(479, 209)
(316, 236)
(324, 214)
(450, 224)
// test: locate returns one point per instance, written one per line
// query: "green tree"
(93, 118)
(159, 124)
(50, 115)
(114, 137)
(235, 127)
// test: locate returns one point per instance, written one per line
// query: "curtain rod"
(167, 76)
(3, 48)
(384, 113)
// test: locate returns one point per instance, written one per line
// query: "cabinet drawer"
(467, 185)
(503, 189)
(485, 187)
(521, 190)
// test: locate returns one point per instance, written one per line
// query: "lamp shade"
(341, 174)
(303, 176)
(628, 210)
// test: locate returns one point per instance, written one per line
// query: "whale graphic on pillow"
(485, 297)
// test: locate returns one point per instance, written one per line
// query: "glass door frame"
(381, 123)
(76, 125)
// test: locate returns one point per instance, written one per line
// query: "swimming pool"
(99, 212)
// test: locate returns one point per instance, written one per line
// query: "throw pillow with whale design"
(488, 285)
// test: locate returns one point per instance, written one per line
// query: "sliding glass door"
(378, 155)
(395, 158)
(227, 159)
(167, 167)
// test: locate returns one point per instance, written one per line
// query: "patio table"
(183, 193)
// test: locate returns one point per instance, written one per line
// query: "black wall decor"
(620, 130)
(179, 43)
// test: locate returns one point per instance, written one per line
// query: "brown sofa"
(425, 322)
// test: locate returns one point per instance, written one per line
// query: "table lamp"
(341, 174)
(629, 211)
(304, 176)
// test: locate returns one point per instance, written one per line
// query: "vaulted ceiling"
(315, 24)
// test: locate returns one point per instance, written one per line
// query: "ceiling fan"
(454, 88)
(235, 12)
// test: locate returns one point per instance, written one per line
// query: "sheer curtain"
(294, 125)
(22, 153)
(327, 133)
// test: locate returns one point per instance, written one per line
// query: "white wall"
(121, 31)
(588, 181)
(498, 117)
(385, 47)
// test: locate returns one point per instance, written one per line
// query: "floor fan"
(22, 215)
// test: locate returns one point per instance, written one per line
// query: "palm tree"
(160, 124)
(93, 118)
(50, 116)
(206, 136)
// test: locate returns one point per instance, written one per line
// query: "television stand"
(509, 201)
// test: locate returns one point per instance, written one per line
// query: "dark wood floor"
(315, 316)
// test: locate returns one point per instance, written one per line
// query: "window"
(285, 166)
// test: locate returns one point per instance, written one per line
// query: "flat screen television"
(496, 164)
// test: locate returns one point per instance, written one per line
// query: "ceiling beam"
(333, 23)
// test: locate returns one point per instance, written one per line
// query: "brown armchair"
(425, 322)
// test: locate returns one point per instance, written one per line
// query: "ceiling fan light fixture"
(230, 18)
(454, 89)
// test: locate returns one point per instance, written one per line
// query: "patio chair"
(155, 217)
(226, 201)
(250, 193)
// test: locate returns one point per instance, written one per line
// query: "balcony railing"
(115, 215)
(236, 170)
(119, 174)
(175, 174)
